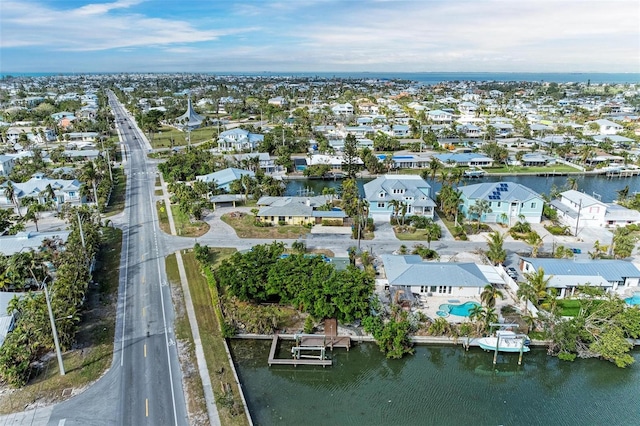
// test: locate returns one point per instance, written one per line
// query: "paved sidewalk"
(39, 416)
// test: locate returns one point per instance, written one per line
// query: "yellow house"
(298, 211)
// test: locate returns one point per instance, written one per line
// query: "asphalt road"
(144, 384)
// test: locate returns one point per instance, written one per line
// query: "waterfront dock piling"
(309, 349)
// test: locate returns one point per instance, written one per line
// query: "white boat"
(474, 173)
(506, 341)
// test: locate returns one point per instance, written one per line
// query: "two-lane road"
(144, 384)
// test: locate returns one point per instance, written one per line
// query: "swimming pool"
(635, 300)
(460, 310)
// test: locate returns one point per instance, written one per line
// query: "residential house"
(607, 127)
(579, 210)
(508, 201)
(411, 190)
(223, 178)
(239, 140)
(65, 190)
(415, 276)
(464, 159)
(299, 211)
(342, 109)
(6, 164)
(266, 163)
(566, 275)
(438, 116)
(278, 101)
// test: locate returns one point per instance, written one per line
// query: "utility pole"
(578, 218)
(84, 245)
(54, 330)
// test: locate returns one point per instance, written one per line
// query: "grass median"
(205, 302)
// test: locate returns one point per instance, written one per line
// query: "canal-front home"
(411, 190)
(415, 276)
(509, 202)
(566, 275)
(579, 210)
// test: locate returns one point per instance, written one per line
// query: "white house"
(416, 276)
(239, 140)
(607, 127)
(223, 178)
(438, 116)
(566, 275)
(342, 109)
(579, 210)
(65, 190)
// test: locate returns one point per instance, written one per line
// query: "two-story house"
(508, 201)
(579, 210)
(411, 190)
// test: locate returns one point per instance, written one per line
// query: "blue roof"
(609, 269)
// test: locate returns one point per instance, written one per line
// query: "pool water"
(635, 300)
(463, 310)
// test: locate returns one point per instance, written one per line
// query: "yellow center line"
(142, 280)
(146, 404)
(144, 311)
(145, 350)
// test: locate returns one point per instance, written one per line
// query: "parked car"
(576, 251)
(512, 272)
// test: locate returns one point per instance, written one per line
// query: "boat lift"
(523, 338)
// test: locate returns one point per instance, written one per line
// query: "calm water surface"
(439, 385)
(597, 186)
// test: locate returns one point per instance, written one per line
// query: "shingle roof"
(226, 176)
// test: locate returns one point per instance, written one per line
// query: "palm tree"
(11, 194)
(534, 240)
(489, 295)
(572, 183)
(434, 166)
(396, 205)
(526, 293)
(90, 175)
(496, 253)
(538, 284)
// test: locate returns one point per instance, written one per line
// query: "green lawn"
(95, 337)
(245, 228)
(116, 202)
(571, 307)
(205, 301)
(162, 139)
(417, 235)
(184, 226)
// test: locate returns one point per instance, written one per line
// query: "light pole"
(54, 330)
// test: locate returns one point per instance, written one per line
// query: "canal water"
(597, 186)
(438, 385)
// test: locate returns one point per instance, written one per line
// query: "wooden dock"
(308, 343)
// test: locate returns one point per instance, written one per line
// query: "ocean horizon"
(420, 77)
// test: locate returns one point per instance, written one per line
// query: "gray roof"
(225, 176)
(580, 198)
(618, 213)
(413, 185)
(34, 186)
(192, 117)
(611, 270)
(11, 244)
(293, 209)
(412, 271)
(498, 191)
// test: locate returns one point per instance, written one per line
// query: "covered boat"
(506, 341)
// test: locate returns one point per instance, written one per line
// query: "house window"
(533, 205)
(381, 205)
(72, 194)
(499, 203)
(381, 195)
(424, 289)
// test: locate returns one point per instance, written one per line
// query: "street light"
(54, 330)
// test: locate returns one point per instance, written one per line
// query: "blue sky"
(319, 35)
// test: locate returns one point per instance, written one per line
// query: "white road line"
(164, 316)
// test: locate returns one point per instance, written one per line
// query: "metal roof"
(610, 269)
(499, 191)
(412, 271)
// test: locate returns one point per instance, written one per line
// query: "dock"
(310, 349)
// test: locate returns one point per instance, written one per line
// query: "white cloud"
(92, 27)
